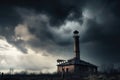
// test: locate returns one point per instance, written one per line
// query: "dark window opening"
(67, 69)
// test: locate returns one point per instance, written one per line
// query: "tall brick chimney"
(76, 45)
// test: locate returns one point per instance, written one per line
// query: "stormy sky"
(36, 33)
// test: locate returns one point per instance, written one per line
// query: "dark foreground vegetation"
(106, 74)
(98, 76)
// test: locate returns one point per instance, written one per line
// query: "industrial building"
(76, 65)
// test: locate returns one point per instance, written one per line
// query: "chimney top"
(75, 32)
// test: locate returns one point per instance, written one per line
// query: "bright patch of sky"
(11, 57)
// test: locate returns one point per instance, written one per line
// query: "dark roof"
(73, 61)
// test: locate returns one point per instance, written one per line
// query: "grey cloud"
(46, 37)
(45, 22)
(58, 10)
(102, 31)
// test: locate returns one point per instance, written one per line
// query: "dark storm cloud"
(9, 15)
(8, 20)
(58, 10)
(103, 31)
(100, 19)
(47, 38)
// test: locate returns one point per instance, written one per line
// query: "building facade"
(76, 65)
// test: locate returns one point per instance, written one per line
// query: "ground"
(59, 77)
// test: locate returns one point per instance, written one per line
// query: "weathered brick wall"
(69, 67)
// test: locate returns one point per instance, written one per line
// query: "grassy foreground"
(101, 76)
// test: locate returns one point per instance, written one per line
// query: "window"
(67, 69)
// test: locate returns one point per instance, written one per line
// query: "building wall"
(85, 70)
(69, 68)
(78, 69)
